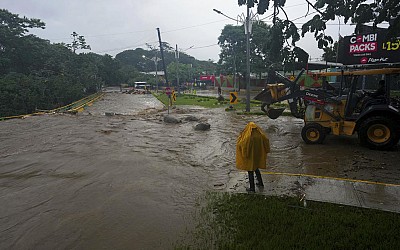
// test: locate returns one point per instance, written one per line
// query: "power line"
(138, 45)
(183, 28)
(129, 47)
(100, 35)
(290, 6)
(139, 31)
(142, 44)
(206, 46)
(267, 17)
(124, 33)
(194, 26)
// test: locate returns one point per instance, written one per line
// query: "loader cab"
(353, 98)
(368, 92)
(370, 107)
(366, 88)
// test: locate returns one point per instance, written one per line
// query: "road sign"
(168, 90)
(233, 97)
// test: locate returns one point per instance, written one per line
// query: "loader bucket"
(264, 96)
(274, 113)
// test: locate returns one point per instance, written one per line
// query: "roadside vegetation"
(205, 101)
(38, 75)
(242, 221)
(213, 102)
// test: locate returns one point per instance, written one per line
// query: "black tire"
(378, 132)
(327, 130)
(313, 133)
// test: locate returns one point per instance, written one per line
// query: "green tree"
(128, 74)
(36, 74)
(267, 52)
(233, 50)
(358, 12)
(78, 42)
(135, 59)
(262, 50)
(182, 69)
(109, 70)
(330, 53)
(13, 31)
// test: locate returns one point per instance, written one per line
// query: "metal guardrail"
(74, 107)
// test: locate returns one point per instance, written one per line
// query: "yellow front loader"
(346, 111)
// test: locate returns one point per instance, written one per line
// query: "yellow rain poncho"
(252, 147)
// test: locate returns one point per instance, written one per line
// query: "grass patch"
(212, 102)
(280, 105)
(242, 221)
(395, 93)
(207, 102)
(185, 99)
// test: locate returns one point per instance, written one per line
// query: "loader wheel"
(378, 132)
(327, 130)
(313, 133)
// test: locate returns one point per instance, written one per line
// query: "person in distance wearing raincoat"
(252, 147)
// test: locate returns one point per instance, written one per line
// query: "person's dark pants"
(251, 179)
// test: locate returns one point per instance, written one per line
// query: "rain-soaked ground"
(127, 180)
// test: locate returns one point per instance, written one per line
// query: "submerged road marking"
(332, 178)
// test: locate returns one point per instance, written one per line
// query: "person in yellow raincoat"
(252, 147)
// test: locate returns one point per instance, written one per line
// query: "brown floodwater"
(117, 177)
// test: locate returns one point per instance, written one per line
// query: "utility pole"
(162, 56)
(177, 69)
(234, 72)
(155, 59)
(247, 30)
(155, 62)
(163, 61)
(191, 75)
(248, 58)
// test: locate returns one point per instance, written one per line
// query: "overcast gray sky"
(114, 26)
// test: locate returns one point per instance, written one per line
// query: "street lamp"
(177, 65)
(247, 30)
(247, 22)
(155, 60)
(177, 69)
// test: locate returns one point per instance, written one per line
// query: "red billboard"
(207, 78)
(369, 48)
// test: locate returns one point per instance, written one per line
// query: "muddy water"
(129, 180)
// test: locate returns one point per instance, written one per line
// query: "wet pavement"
(358, 193)
(116, 176)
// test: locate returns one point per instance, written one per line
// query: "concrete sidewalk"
(349, 192)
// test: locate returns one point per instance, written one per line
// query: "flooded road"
(116, 176)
